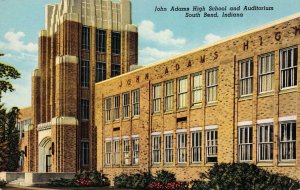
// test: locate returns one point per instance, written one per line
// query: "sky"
(162, 34)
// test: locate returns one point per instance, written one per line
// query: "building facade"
(83, 42)
(234, 101)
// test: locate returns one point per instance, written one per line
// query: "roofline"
(226, 39)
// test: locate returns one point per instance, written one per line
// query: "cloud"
(164, 37)
(150, 55)
(14, 42)
(211, 38)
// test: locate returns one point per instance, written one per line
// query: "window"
(196, 140)
(126, 160)
(211, 146)
(156, 98)
(135, 151)
(168, 148)
(116, 43)
(100, 71)
(116, 107)
(116, 152)
(107, 109)
(126, 105)
(85, 153)
(108, 152)
(85, 109)
(181, 147)
(100, 40)
(287, 141)
(288, 67)
(169, 95)
(85, 73)
(265, 142)
(196, 88)
(136, 102)
(245, 143)
(211, 85)
(156, 149)
(266, 72)
(86, 38)
(115, 69)
(182, 92)
(246, 77)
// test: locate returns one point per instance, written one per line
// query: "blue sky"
(161, 34)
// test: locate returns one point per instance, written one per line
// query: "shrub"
(62, 183)
(133, 181)
(3, 183)
(165, 177)
(199, 185)
(157, 185)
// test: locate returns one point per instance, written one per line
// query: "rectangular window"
(266, 72)
(182, 92)
(100, 40)
(86, 38)
(116, 152)
(126, 160)
(126, 102)
(155, 149)
(116, 43)
(196, 88)
(211, 85)
(288, 67)
(136, 102)
(196, 140)
(156, 98)
(107, 109)
(169, 95)
(265, 142)
(168, 148)
(181, 147)
(85, 73)
(116, 107)
(211, 146)
(85, 109)
(115, 69)
(100, 71)
(245, 143)
(135, 151)
(108, 152)
(85, 153)
(246, 77)
(287, 141)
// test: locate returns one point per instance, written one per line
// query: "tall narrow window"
(116, 152)
(107, 109)
(288, 67)
(136, 102)
(156, 98)
(100, 71)
(155, 149)
(211, 146)
(265, 142)
(135, 151)
(85, 109)
(196, 88)
(182, 92)
(126, 103)
(168, 148)
(196, 140)
(126, 160)
(245, 143)
(85, 153)
(211, 85)
(116, 107)
(85, 38)
(181, 148)
(115, 69)
(266, 72)
(287, 141)
(246, 77)
(85, 73)
(100, 40)
(108, 152)
(169, 95)
(116, 43)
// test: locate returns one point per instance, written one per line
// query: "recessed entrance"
(45, 162)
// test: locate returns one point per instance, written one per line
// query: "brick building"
(234, 101)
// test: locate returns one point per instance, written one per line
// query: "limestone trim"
(108, 139)
(156, 133)
(243, 123)
(210, 127)
(262, 121)
(135, 136)
(181, 131)
(66, 59)
(168, 132)
(116, 138)
(43, 33)
(196, 129)
(36, 73)
(44, 126)
(64, 121)
(125, 137)
(288, 118)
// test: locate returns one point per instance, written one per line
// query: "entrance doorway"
(45, 162)
(48, 163)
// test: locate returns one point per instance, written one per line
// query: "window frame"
(100, 71)
(85, 109)
(262, 142)
(271, 72)
(211, 145)
(183, 94)
(182, 148)
(156, 98)
(84, 153)
(108, 153)
(126, 105)
(117, 101)
(107, 109)
(195, 147)
(243, 146)
(126, 151)
(292, 68)
(116, 152)
(86, 38)
(156, 149)
(135, 151)
(242, 77)
(168, 150)
(116, 45)
(85, 73)
(101, 40)
(196, 89)
(135, 102)
(213, 85)
(287, 141)
(169, 96)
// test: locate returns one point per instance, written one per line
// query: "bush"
(133, 181)
(165, 177)
(199, 185)
(2, 183)
(156, 185)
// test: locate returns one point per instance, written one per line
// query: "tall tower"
(84, 42)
